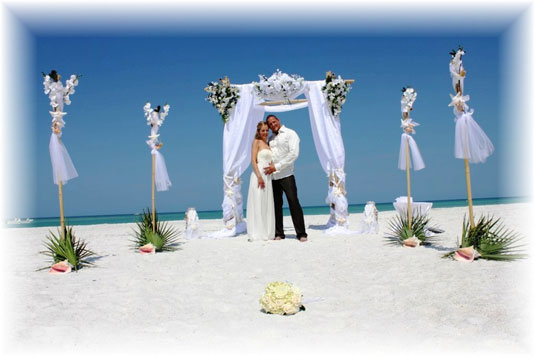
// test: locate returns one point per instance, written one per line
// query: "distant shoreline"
(218, 214)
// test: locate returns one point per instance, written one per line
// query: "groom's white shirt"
(285, 149)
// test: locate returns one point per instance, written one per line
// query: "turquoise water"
(313, 210)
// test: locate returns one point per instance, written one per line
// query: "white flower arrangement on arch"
(335, 90)
(223, 97)
(279, 86)
(281, 298)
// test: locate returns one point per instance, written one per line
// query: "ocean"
(312, 210)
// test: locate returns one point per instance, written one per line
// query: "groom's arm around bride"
(284, 144)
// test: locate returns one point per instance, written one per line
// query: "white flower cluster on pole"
(408, 146)
(407, 101)
(155, 119)
(471, 142)
(57, 93)
(62, 167)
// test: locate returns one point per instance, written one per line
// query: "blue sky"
(106, 130)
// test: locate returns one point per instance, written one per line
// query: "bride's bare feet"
(303, 239)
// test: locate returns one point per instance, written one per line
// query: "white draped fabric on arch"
(238, 133)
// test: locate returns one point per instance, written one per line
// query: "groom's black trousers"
(288, 186)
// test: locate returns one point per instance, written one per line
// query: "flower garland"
(281, 298)
(223, 97)
(335, 90)
(280, 86)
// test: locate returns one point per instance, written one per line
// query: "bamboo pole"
(60, 197)
(61, 211)
(407, 168)
(467, 172)
(153, 194)
(291, 101)
(469, 191)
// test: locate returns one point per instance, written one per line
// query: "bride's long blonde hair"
(258, 127)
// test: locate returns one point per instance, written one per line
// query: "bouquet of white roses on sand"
(281, 298)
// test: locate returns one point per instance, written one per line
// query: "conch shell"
(467, 254)
(147, 249)
(411, 242)
(60, 268)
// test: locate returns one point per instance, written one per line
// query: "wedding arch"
(242, 106)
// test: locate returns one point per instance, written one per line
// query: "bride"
(260, 209)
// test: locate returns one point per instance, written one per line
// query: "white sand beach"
(361, 294)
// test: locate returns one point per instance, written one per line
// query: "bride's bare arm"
(254, 164)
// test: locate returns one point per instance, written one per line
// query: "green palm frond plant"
(491, 239)
(398, 229)
(70, 248)
(163, 238)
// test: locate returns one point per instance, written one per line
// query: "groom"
(284, 144)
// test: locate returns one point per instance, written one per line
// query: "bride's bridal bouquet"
(281, 298)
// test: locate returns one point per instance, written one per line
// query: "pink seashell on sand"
(467, 254)
(411, 242)
(147, 249)
(60, 268)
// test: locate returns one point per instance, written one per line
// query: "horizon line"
(313, 206)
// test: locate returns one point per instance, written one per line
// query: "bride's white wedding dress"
(260, 208)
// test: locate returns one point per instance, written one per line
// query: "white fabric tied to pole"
(471, 142)
(62, 167)
(161, 177)
(155, 120)
(232, 209)
(238, 135)
(325, 129)
(327, 135)
(417, 161)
